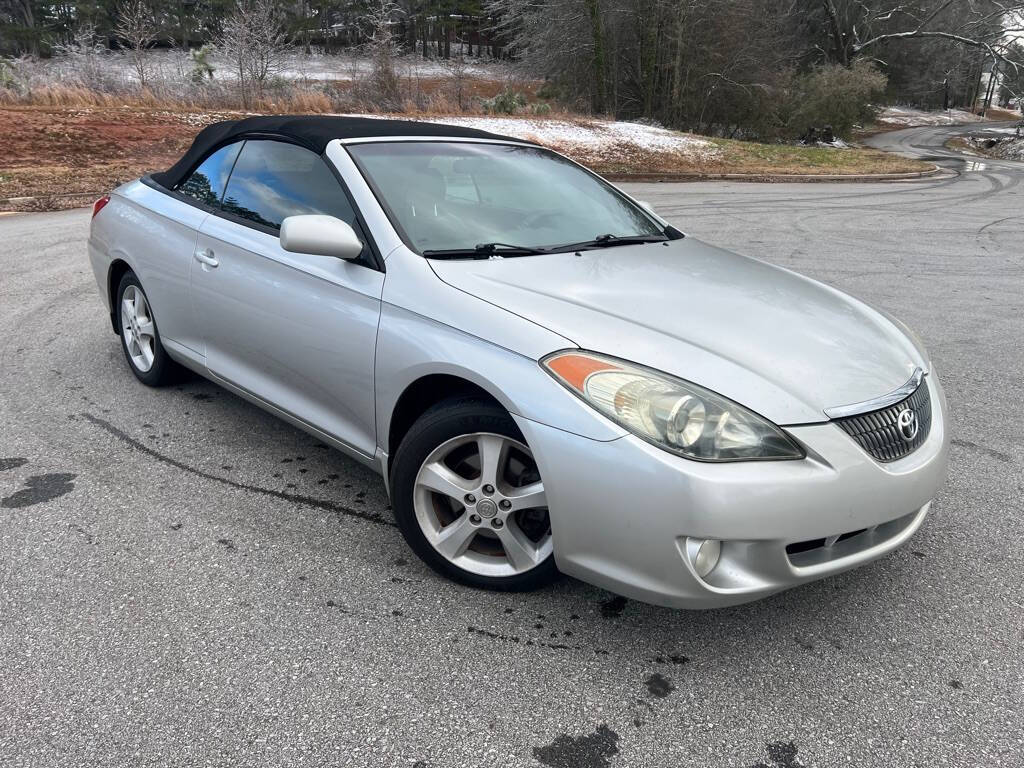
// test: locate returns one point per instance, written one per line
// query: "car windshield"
(451, 197)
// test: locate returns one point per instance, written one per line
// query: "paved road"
(186, 581)
(928, 143)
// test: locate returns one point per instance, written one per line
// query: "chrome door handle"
(205, 256)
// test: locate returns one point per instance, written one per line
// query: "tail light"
(99, 204)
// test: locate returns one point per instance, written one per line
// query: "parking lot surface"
(186, 581)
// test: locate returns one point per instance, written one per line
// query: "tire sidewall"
(439, 424)
(159, 372)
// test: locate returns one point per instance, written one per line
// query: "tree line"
(765, 69)
(431, 27)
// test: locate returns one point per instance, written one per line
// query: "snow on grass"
(594, 137)
(351, 67)
(1008, 149)
(912, 118)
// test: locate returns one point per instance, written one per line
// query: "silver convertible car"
(548, 376)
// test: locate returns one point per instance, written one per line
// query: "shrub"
(7, 79)
(508, 102)
(202, 69)
(834, 95)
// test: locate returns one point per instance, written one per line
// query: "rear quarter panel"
(155, 234)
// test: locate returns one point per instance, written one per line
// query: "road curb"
(771, 178)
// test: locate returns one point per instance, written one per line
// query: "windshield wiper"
(484, 251)
(609, 240)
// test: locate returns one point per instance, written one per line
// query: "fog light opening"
(709, 551)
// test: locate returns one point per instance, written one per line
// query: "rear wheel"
(469, 498)
(140, 338)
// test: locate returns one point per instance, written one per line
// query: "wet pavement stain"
(12, 463)
(521, 640)
(659, 686)
(372, 517)
(89, 539)
(40, 489)
(613, 607)
(592, 751)
(781, 754)
(673, 658)
(999, 455)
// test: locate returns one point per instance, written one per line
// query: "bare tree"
(87, 58)
(253, 39)
(857, 26)
(136, 25)
(459, 77)
(382, 47)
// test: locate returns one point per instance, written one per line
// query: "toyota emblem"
(906, 422)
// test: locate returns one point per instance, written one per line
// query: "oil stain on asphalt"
(12, 463)
(591, 751)
(659, 686)
(781, 754)
(39, 489)
(612, 608)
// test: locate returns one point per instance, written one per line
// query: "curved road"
(929, 143)
(186, 581)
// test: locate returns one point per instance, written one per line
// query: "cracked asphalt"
(186, 581)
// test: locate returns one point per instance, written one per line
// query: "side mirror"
(320, 235)
(646, 206)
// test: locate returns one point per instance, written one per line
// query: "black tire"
(442, 422)
(163, 371)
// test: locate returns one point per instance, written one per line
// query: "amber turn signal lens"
(574, 369)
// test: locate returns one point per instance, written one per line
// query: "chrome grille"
(878, 432)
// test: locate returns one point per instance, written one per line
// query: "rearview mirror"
(320, 235)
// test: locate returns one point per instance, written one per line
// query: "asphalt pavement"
(186, 581)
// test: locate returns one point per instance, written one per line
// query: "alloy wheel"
(480, 502)
(137, 328)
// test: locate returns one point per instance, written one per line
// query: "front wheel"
(469, 498)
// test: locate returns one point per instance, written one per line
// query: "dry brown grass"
(749, 158)
(998, 113)
(419, 95)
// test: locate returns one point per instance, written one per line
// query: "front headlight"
(671, 413)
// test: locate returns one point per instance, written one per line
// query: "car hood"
(779, 343)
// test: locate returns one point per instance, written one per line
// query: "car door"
(164, 245)
(297, 331)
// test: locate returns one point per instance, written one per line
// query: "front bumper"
(623, 511)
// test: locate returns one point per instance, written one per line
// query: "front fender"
(411, 346)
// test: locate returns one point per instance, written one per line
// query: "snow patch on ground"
(591, 136)
(1010, 150)
(177, 65)
(352, 67)
(912, 118)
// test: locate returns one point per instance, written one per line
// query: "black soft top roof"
(311, 131)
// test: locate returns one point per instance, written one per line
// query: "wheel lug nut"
(505, 504)
(496, 522)
(470, 498)
(474, 519)
(488, 489)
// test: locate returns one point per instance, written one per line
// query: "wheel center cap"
(486, 508)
